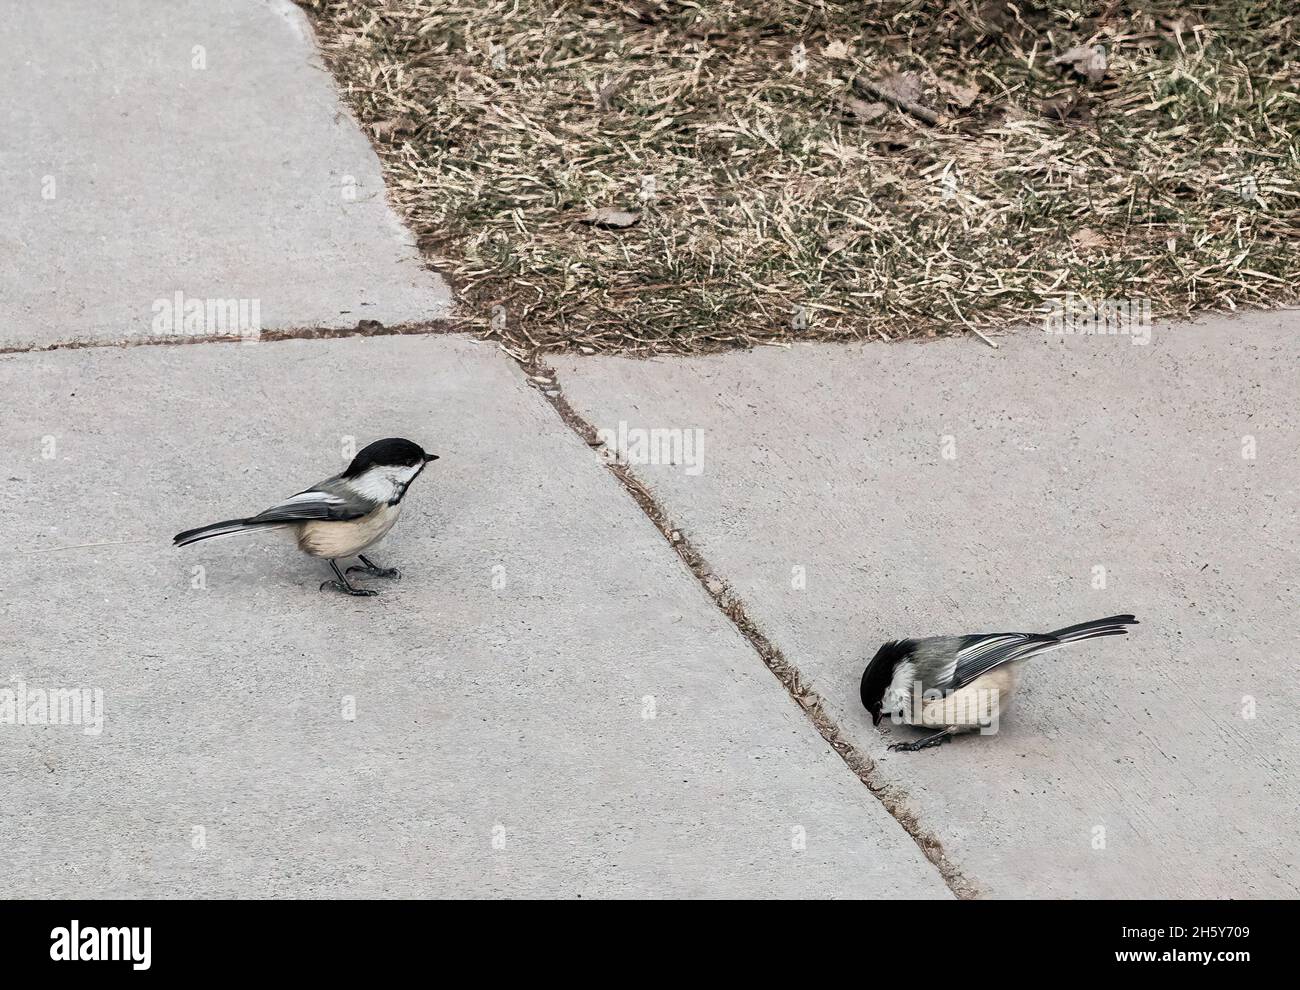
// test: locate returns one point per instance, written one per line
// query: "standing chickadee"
(343, 515)
(963, 681)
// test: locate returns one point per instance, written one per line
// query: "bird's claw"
(918, 745)
(348, 590)
(381, 572)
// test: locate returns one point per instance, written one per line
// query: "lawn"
(667, 177)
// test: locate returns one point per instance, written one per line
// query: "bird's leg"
(342, 584)
(374, 569)
(936, 739)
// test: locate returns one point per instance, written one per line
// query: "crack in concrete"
(364, 328)
(545, 380)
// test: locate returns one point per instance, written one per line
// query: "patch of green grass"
(778, 199)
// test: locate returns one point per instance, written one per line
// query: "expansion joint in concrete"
(544, 379)
(364, 328)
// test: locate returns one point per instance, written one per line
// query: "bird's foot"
(347, 589)
(938, 739)
(368, 566)
(383, 572)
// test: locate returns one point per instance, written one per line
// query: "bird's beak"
(430, 457)
(876, 717)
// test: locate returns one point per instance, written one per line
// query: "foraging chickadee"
(964, 681)
(343, 515)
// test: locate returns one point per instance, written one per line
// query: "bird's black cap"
(394, 452)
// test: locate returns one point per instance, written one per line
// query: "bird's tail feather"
(231, 527)
(1112, 625)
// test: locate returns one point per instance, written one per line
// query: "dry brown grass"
(785, 202)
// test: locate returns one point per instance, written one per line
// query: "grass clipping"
(668, 177)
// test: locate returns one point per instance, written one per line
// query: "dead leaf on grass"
(863, 111)
(1088, 62)
(963, 96)
(610, 218)
(1086, 239)
(902, 86)
(1065, 106)
(386, 129)
(604, 94)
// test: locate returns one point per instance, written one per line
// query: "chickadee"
(343, 515)
(963, 682)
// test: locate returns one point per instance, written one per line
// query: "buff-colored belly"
(347, 539)
(979, 703)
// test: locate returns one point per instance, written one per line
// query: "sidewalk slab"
(547, 704)
(1089, 476)
(198, 147)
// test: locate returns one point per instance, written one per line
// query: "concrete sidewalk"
(547, 704)
(194, 147)
(856, 494)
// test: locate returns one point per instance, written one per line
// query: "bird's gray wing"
(934, 659)
(331, 500)
(981, 653)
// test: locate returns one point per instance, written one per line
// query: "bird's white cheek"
(382, 484)
(898, 695)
